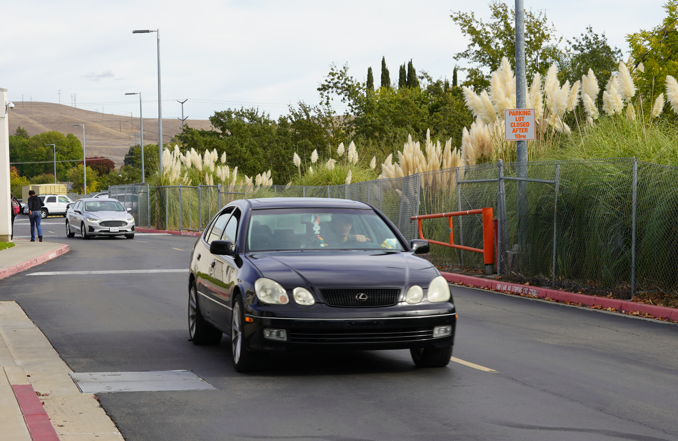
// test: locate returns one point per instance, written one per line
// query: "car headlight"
(91, 219)
(414, 295)
(270, 291)
(438, 290)
(303, 297)
(130, 220)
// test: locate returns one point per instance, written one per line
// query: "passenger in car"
(339, 231)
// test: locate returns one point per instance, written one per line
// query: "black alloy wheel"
(431, 357)
(69, 233)
(199, 331)
(243, 360)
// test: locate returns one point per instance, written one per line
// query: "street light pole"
(521, 146)
(54, 145)
(141, 128)
(157, 31)
(84, 159)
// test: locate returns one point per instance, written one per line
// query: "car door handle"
(199, 256)
(214, 262)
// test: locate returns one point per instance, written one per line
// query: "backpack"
(15, 206)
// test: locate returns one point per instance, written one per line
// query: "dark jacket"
(35, 203)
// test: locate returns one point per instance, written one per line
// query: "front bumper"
(99, 230)
(350, 333)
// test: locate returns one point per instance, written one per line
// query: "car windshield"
(318, 229)
(104, 206)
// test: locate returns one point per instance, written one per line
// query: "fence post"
(148, 207)
(502, 215)
(166, 208)
(275, 191)
(555, 225)
(219, 195)
(461, 222)
(303, 190)
(634, 205)
(199, 205)
(181, 209)
(381, 196)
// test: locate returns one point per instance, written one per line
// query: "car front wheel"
(200, 332)
(83, 231)
(243, 360)
(431, 357)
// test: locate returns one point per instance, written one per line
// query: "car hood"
(351, 269)
(107, 214)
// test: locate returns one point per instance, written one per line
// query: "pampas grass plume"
(627, 89)
(314, 156)
(658, 106)
(672, 92)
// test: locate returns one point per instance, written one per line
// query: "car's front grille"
(357, 298)
(359, 336)
(113, 223)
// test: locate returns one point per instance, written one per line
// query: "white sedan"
(99, 217)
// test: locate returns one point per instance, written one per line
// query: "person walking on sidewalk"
(16, 206)
(35, 205)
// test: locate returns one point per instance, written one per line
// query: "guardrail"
(488, 234)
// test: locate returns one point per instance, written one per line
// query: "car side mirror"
(129, 210)
(77, 211)
(222, 247)
(419, 246)
(68, 206)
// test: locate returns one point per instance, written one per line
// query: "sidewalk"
(26, 254)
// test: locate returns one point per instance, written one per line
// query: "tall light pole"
(141, 128)
(54, 145)
(521, 146)
(182, 113)
(157, 31)
(84, 158)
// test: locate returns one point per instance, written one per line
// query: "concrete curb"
(23, 266)
(174, 233)
(563, 296)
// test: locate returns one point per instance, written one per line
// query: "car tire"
(69, 233)
(200, 332)
(243, 360)
(129, 236)
(83, 232)
(431, 357)
(44, 213)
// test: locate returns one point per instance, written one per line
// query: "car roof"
(266, 203)
(97, 199)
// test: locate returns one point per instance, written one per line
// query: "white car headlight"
(270, 291)
(91, 219)
(303, 297)
(438, 290)
(130, 220)
(414, 295)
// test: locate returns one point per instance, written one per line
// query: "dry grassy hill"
(106, 135)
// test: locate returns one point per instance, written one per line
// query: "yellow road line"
(472, 365)
(177, 249)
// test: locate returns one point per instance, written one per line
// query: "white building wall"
(5, 201)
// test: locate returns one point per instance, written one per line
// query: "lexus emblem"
(362, 296)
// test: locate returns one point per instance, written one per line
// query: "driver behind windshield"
(340, 231)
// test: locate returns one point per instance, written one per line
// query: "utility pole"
(521, 146)
(54, 146)
(182, 113)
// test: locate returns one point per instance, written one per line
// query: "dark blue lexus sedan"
(302, 273)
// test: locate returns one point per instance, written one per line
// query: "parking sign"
(519, 124)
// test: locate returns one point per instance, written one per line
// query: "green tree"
(454, 77)
(491, 41)
(412, 80)
(657, 49)
(40, 156)
(590, 51)
(76, 176)
(385, 77)
(133, 159)
(21, 133)
(402, 77)
(370, 81)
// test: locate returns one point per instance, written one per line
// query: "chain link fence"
(192, 207)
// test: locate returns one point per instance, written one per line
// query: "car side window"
(78, 205)
(218, 227)
(231, 231)
(63, 199)
(51, 199)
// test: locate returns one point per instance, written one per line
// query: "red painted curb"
(36, 418)
(174, 233)
(564, 296)
(23, 266)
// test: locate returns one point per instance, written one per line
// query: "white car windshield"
(104, 206)
(309, 228)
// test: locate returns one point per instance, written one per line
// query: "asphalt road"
(562, 373)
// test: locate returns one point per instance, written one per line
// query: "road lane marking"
(178, 249)
(87, 273)
(472, 365)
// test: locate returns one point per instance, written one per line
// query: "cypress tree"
(402, 79)
(370, 81)
(385, 77)
(412, 80)
(454, 77)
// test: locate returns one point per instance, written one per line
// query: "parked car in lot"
(54, 204)
(103, 194)
(99, 217)
(302, 273)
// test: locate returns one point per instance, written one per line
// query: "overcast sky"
(254, 53)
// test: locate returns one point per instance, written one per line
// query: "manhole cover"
(102, 382)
